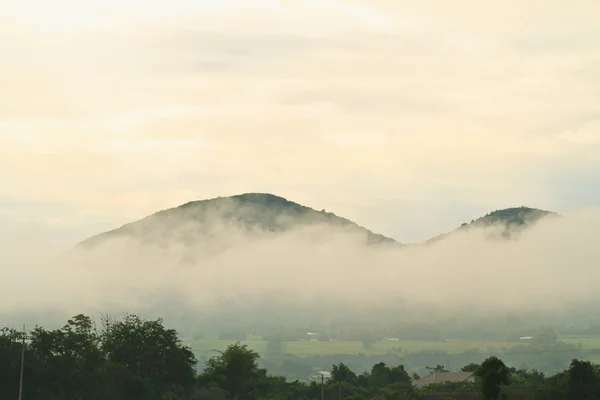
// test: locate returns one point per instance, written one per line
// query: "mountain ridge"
(248, 211)
(267, 212)
(512, 220)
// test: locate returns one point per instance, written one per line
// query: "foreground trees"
(129, 359)
(134, 359)
(235, 371)
(493, 376)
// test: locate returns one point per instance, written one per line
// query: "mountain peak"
(512, 220)
(516, 216)
(249, 212)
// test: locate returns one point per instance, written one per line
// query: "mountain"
(510, 221)
(255, 213)
(250, 212)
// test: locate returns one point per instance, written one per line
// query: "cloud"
(550, 268)
(140, 106)
(588, 133)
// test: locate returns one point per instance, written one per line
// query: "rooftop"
(438, 377)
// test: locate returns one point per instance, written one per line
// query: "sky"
(408, 117)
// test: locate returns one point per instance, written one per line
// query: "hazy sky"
(409, 117)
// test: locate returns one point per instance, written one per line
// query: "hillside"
(256, 213)
(250, 212)
(510, 221)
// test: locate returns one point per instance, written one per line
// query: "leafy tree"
(341, 373)
(151, 352)
(69, 361)
(437, 368)
(382, 375)
(494, 374)
(235, 370)
(470, 368)
(582, 379)
(10, 363)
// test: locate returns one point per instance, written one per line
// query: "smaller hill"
(511, 221)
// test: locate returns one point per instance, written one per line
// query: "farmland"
(306, 348)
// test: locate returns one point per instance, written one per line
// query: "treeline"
(134, 358)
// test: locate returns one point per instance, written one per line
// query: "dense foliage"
(138, 359)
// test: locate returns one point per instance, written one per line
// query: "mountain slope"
(510, 221)
(250, 212)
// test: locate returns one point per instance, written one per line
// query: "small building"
(440, 377)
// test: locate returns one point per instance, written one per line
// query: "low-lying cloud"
(548, 268)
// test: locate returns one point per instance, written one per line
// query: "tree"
(10, 363)
(69, 361)
(437, 368)
(151, 353)
(235, 370)
(581, 379)
(494, 374)
(341, 373)
(470, 368)
(382, 375)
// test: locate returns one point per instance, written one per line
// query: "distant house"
(439, 377)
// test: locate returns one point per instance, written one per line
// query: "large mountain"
(508, 221)
(250, 213)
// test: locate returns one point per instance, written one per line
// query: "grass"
(586, 342)
(209, 347)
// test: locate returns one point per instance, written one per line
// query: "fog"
(549, 270)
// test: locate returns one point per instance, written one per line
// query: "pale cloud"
(586, 133)
(122, 108)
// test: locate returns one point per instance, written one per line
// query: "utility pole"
(340, 394)
(322, 387)
(22, 365)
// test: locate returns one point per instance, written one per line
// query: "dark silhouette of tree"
(494, 375)
(437, 368)
(10, 364)
(151, 353)
(470, 368)
(69, 359)
(582, 379)
(235, 370)
(341, 373)
(382, 375)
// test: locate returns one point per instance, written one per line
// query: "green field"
(304, 348)
(313, 347)
(586, 342)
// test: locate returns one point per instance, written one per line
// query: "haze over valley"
(329, 183)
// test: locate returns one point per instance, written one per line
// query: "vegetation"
(510, 220)
(250, 212)
(139, 359)
(292, 355)
(515, 216)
